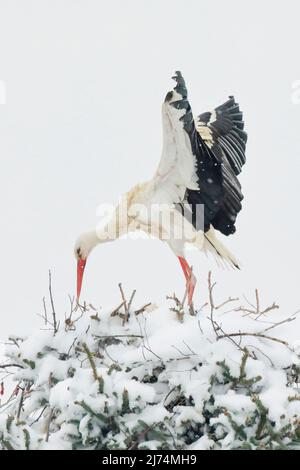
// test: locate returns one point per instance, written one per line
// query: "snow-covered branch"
(135, 377)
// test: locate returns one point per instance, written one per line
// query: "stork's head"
(83, 246)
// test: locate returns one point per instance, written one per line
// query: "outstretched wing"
(223, 131)
(201, 160)
(218, 142)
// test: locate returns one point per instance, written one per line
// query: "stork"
(200, 161)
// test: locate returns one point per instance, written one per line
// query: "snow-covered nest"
(162, 380)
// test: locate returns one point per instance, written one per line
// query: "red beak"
(80, 270)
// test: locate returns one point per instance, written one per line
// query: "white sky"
(81, 124)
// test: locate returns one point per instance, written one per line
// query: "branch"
(180, 305)
(55, 326)
(115, 312)
(45, 311)
(119, 336)
(148, 348)
(212, 305)
(11, 365)
(256, 309)
(125, 319)
(39, 416)
(131, 299)
(258, 335)
(287, 320)
(230, 299)
(142, 309)
(257, 301)
(69, 350)
(215, 325)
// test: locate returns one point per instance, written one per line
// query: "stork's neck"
(99, 235)
(90, 239)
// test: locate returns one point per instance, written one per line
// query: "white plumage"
(198, 168)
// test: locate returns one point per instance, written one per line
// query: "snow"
(155, 382)
(204, 443)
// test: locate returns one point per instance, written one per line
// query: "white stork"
(198, 168)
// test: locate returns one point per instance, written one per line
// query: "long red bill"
(80, 270)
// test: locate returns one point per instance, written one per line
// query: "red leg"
(185, 267)
(190, 278)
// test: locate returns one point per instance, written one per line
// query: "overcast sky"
(81, 124)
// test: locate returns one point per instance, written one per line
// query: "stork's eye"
(78, 251)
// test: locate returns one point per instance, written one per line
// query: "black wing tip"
(178, 74)
(180, 84)
(180, 87)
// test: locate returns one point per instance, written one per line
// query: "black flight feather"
(218, 164)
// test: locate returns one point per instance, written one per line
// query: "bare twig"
(176, 300)
(39, 416)
(230, 299)
(255, 310)
(69, 350)
(212, 305)
(147, 339)
(258, 335)
(180, 306)
(216, 326)
(143, 352)
(257, 302)
(55, 326)
(45, 311)
(187, 355)
(220, 333)
(202, 306)
(118, 336)
(268, 309)
(180, 352)
(83, 308)
(131, 299)
(225, 335)
(144, 346)
(248, 302)
(74, 306)
(142, 309)
(48, 322)
(190, 349)
(126, 317)
(287, 320)
(115, 312)
(264, 354)
(110, 357)
(68, 319)
(4, 366)
(200, 328)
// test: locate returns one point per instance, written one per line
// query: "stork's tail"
(220, 252)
